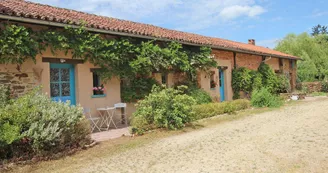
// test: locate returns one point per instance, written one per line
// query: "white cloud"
(270, 43)
(236, 11)
(179, 14)
(319, 14)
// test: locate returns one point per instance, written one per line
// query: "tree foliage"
(318, 29)
(314, 52)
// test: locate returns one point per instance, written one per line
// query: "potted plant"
(213, 84)
(99, 90)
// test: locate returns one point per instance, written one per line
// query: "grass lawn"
(70, 164)
(314, 94)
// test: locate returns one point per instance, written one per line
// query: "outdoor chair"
(94, 120)
(122, 108)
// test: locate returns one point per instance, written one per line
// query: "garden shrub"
(324, 86)
(256, 80)
(245, 80)
(38, 126)
(163, 108)
(213, 109)
(241, 104)
(283, 84)
(269, 78)
(4, 95)
(241, 81)
(299, 85)
(305, 90)
(201, 96)
(207, 110)
(263, 98)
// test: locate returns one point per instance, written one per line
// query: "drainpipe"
(234, 60)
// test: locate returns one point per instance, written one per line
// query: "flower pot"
(98, 92)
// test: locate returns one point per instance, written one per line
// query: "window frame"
(96, 83)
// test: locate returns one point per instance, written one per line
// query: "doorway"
(222, 82)
(62, 83)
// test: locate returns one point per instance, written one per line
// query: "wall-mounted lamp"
(62, 60)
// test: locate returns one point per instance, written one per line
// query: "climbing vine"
(126, 58)
(17, 44)
(247, 80)
(136, 88)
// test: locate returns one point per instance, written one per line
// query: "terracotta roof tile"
(21, 8)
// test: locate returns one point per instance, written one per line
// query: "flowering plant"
(98, 90)
(213, 84)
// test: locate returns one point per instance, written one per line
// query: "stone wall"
(312, 86)
(19, 83)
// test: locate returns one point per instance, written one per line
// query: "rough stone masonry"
(19, 83)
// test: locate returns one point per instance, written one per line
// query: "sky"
(266, 21)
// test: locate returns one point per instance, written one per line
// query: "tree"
(324, 30)
(314, 52)
(318, 29)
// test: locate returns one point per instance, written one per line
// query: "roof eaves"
(104, 31)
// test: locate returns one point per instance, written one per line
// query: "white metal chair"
(94, 120)
(122, 107)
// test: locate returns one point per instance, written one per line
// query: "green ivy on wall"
(136, 88)
(17, 44)
(123, 57)
(247, 80)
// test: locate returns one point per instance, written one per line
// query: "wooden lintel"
(94, 69)
(62, 60)
(223, 67)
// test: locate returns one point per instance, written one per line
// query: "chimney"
(251, 41)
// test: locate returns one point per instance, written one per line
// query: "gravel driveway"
(292, 139)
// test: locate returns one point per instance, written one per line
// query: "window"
(291, 64)
(281, 63)
(213, 83)
(164, 79)
(96, 79)
(98, 88)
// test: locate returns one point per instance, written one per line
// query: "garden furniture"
(94, 120)
(107, 115)
(122, 107)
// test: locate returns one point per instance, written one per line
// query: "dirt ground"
(291, 139)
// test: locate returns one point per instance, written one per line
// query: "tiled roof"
(25, 9)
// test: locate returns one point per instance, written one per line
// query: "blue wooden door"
(221, 79)
(62, 83)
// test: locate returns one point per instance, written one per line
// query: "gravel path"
(293, 139)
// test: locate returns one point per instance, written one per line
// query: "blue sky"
(266, 21)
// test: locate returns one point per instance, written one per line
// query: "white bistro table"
(107, 115)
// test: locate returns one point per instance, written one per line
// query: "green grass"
(71, 164)
(314, 94)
